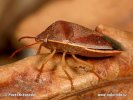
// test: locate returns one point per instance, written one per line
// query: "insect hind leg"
(83, 62)
(91, 67)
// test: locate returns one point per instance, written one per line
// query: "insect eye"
(36, 39)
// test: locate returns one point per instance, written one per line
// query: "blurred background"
(30, 17)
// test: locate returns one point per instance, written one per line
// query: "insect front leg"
(39, 49)
(44, 62)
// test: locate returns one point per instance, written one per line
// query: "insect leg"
(44, 62)
(63, 67)
(39, 49)
(86, 63)
(49, 56)
(82, 61)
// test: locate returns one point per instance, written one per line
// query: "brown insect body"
(67, 37)
(76, 39)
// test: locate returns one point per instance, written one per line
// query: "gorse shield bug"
(74, 39)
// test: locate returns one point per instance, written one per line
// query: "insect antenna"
(20, 49)
(25, 37)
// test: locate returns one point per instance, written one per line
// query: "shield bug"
(74, 39)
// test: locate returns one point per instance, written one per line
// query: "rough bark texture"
(109, 75)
